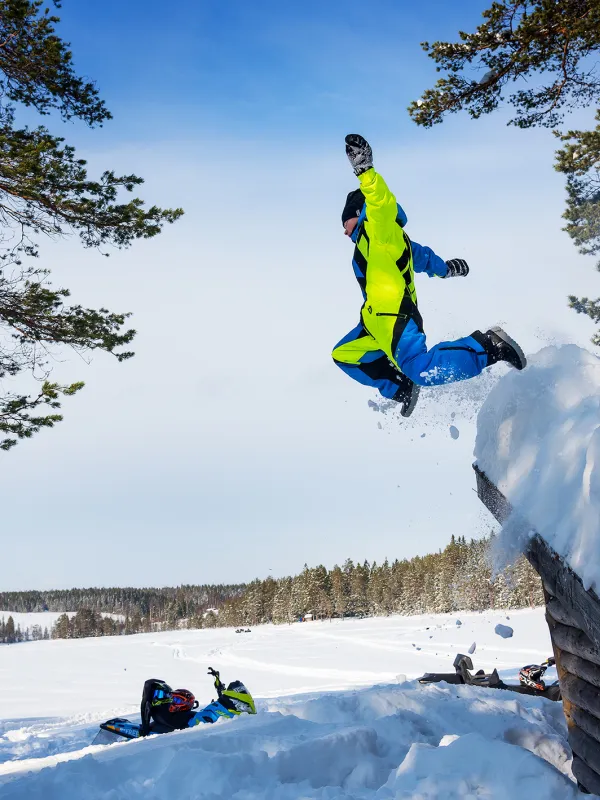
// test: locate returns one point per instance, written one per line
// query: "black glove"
(457, 268)
(213, 672)
(359, 153)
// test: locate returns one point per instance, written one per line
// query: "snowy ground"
(323, 730)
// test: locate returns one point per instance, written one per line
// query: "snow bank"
(372, 744)
(469, 768)
(538, 440)
(394, 740)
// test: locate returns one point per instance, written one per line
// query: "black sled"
(531, 682)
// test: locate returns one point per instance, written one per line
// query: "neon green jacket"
(387, 264)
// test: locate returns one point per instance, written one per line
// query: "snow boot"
(499, 346)
(407, 395)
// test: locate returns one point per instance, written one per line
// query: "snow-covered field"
(339, 715)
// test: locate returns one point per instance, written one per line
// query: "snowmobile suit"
(389, 337)
(157, 697)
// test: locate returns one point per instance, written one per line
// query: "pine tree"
(62, 628)
(45, 191)
(519, 40)
(338, 591)
(10, 634)
(281, 601)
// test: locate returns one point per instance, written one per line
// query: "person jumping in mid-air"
(387, 349)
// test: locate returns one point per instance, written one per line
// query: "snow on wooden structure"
(573, 616)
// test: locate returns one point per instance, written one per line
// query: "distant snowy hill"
(396, 739)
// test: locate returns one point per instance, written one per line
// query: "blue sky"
(231, 439)
(265, 69)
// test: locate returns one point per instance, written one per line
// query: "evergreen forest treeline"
(159, 605)
(459, 578)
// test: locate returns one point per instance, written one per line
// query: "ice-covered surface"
(391, 740)
(538, 440)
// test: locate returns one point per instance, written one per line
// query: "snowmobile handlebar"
(217, 676)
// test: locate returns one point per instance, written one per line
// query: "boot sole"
(407, 410)
(511, 342)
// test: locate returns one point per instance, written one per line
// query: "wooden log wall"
(573, 617)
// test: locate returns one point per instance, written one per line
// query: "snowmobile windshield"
(238, 698)
(108, 737)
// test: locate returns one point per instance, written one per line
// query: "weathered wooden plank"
(573, 641)
(560, 580)
(491, 497)
(581, 668)
(582, 694)
(586, 748)
(587, 723)
(560, 614)
(589, 781)
(583, 605)
(573, 616)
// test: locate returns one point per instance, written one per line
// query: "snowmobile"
(530, 678)
(164, 710)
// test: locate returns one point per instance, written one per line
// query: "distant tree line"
(159, 605)
(459, 578)
(87, 622)
(11, 633)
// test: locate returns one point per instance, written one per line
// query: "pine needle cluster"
(46, 192)
(540, 57)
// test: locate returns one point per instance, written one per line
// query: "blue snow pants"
(360, 357)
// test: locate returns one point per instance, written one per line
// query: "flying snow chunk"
(505, 631)
(454, 432)
(472, 648)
